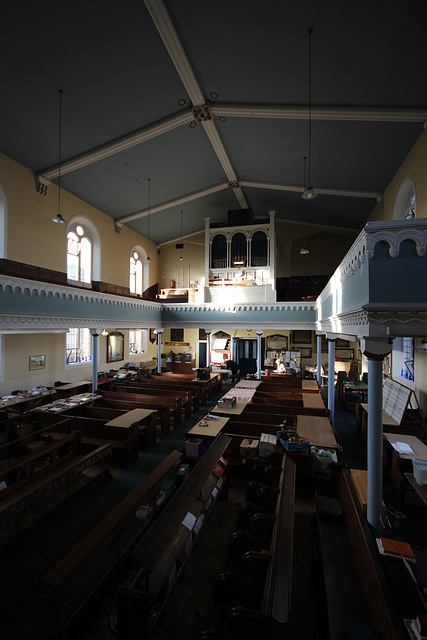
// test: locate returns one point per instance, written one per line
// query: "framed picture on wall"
(305, 352)
(301, 337)
(153, 336)
(115, 346)
(37, 362)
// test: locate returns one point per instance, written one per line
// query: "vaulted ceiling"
(177, 105)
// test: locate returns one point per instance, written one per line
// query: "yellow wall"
(193, 255)
(31, 234)
(415, 167)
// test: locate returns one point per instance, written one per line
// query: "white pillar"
(319, 360)
(159, 350)
(95, 333)
(375, 350)
(331, 379)
(375, 444)
(272, 255)
(258, 355)
(207, 250)
(208, 348)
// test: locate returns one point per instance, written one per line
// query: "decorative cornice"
(393, 232)
(22, 286)
(240, 307)
(10, 322)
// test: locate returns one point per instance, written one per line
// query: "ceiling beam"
(174, 203)
(300, 189)
(172, 42)
(111, 148)
(366, 114)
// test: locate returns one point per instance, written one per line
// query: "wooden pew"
(61, 472)
(173, 399)
(282, 410)
(356, 584)
(208, 388)
(256, 602)
(131, 401)
(158, 552)
(189, 401)
(146, 424)
(107, 535)
(96, 432)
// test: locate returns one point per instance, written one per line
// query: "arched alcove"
(405, 203)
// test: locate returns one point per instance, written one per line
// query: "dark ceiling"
(133, 71)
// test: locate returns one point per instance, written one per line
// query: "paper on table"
(402, 447)
(189, 521)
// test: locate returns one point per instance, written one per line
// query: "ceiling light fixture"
(309, 192)
(148, 259)
(58, 218)
(303, 251)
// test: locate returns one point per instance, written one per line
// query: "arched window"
(138, 270)
(219, 252)
(405, 204)
(238, 250)
(259, 249)
(79, 255)
(135, 273)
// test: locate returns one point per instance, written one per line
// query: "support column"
(375, 351)
(159, 350)
(272, 250)
(208, 348)
(331, 376)
(207, 251)
(319, 359)
(95, 333)
(258, 355)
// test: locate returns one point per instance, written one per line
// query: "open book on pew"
(395, 549)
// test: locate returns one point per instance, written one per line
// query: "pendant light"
(148, 259)
(303, 251)
(58, 218)
(309, 192)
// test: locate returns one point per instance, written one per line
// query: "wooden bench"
(356, 585)
(113, 534)
(257, 605)
(145, 419)
(160, 551)
(173, 399)
(54, 451)
(129, 402)
(62, 472)
(95, 432)
(189, 402)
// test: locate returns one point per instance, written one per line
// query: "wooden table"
(312, 401)
(420, 489)
(222, 410)
(73, 388)
(310, 385)
(401, 463)
(138, 416)
(317, 430)
(210, 430)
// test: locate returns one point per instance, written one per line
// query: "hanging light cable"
(58, 218)
(148, 259)
(180, 257)
(309, 192)
(303, 251)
